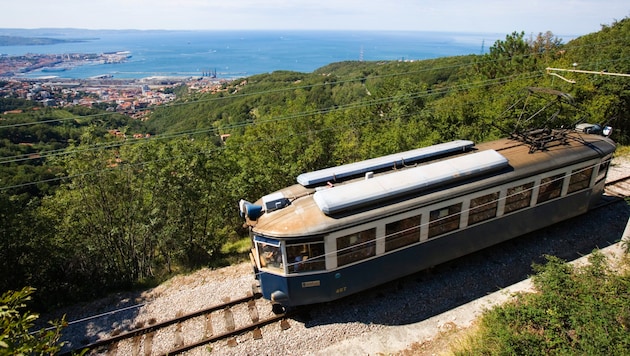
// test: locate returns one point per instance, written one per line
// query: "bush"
(16, 324)
(577, 310)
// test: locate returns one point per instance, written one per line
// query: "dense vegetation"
(575, 311)
(16, 323)
(84, 212)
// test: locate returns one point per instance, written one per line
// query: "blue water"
(243, 53)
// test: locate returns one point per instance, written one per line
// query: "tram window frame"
(550, 188)
(518, 197)
(356, 247)
(483, 208)
(402, 233)
(580, 179)
(445, 219)
(306, 256)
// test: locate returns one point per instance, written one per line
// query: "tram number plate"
(310, 284)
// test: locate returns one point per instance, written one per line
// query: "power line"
(303, 114)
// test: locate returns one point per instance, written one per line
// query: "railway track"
(213, 324)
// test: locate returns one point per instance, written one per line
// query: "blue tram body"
(349, 228)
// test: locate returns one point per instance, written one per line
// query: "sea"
(234, 54)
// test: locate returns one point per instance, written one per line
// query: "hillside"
(124, 214)
(31, 41)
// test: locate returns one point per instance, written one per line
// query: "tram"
(345, 229)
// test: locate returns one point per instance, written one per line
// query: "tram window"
(550, 188)
(580, 179)
(402, 233)
(518, 197)
(444, 220)
(603, 170)
(483, 208)
(305, 257)
(270, 256)
(355, 247)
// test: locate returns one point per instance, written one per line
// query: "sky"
(562, 17)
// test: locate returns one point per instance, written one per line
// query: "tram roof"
(333, 174)
(371, 190)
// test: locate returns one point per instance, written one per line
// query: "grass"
(233, 252)
(576, 311)
(622, 151)
(237, 247)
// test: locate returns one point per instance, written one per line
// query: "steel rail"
(227, 334)
(161, 325)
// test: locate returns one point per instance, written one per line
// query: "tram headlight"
(607, 131)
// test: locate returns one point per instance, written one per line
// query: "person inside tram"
(270, 256)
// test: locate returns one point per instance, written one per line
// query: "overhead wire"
(240, 95)
(27, 156)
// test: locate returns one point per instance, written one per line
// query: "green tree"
(16, 325)
(508, 57)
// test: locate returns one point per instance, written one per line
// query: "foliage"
(141, 206)
(9, 104)
(576, 310)
(16, 324)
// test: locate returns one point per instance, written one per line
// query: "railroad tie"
(148, 344)
(208, 331)
(253, 312)
(229, 320)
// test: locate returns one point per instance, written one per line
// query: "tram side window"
(402, 233)
(270, 256)
(444, 220)
(518, 197)
(305, 257)
(355, 247)
(580, 179)
(550, 188)
(603, 170)
(483, 208)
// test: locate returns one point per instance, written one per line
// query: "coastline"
(239, 54)
(22, 66)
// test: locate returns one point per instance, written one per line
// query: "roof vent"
(275, 201)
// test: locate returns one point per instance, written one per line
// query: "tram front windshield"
(269, 253)
(297, 257)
